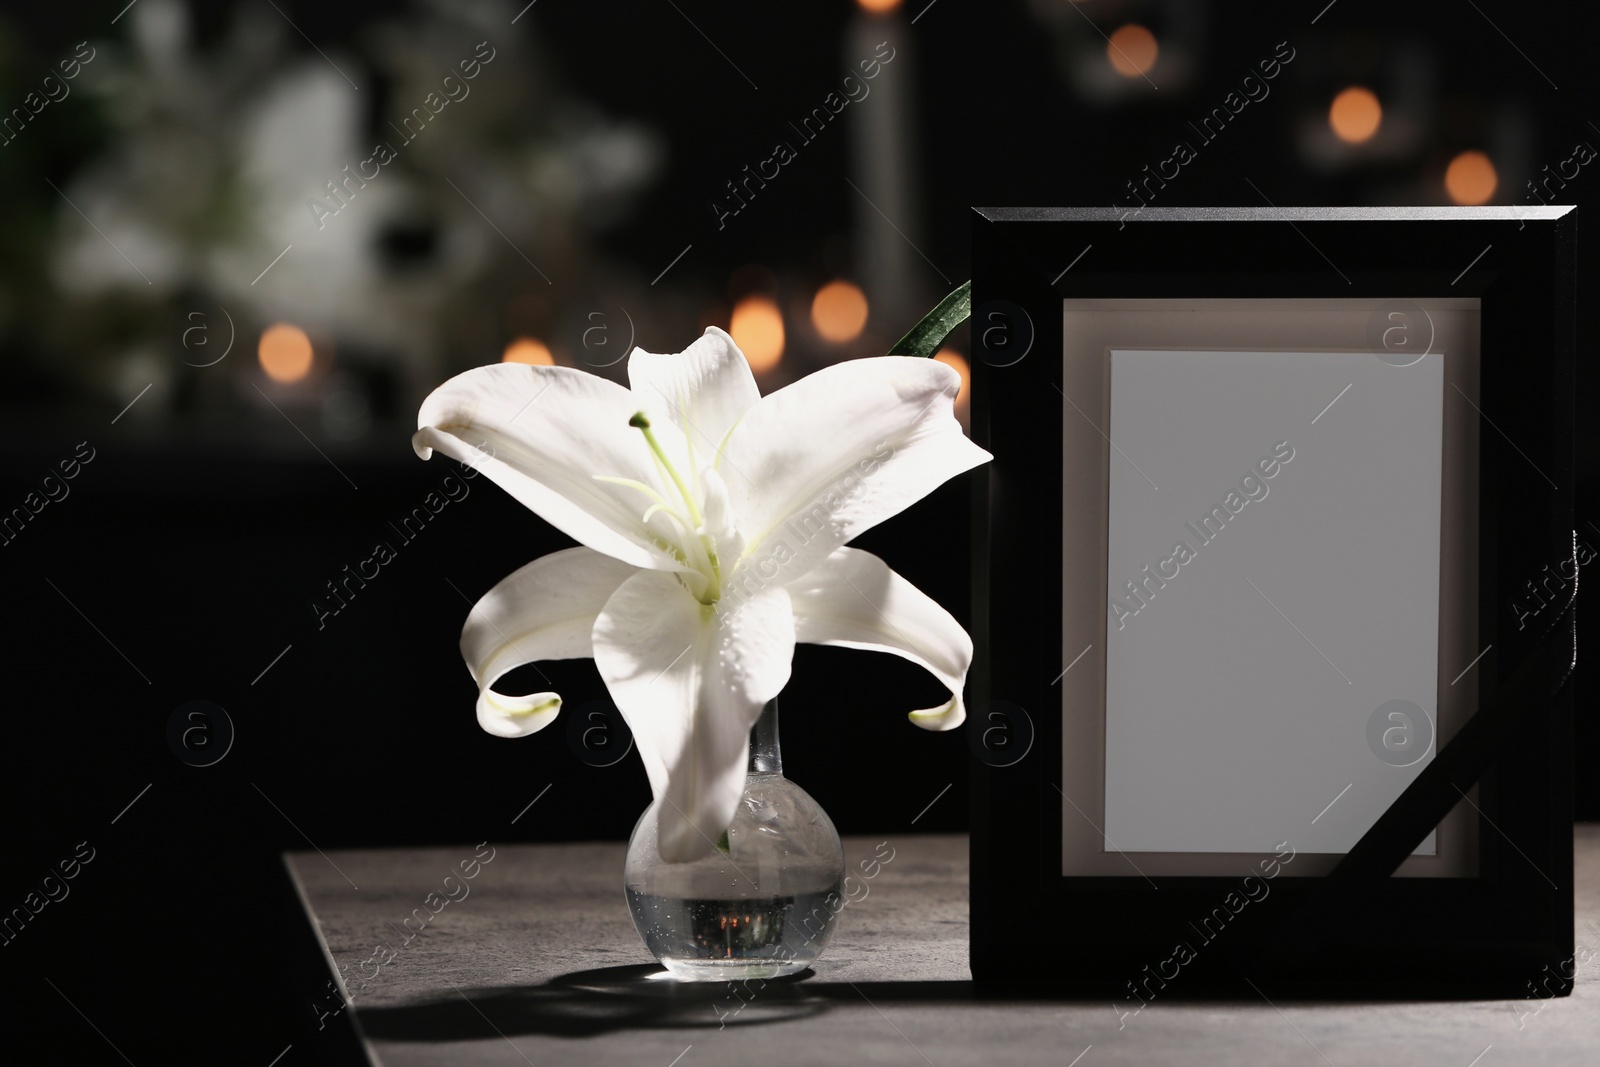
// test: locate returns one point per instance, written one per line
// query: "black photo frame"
(1355, 930)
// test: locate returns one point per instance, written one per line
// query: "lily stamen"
(696, 522)
(641, 423)
(634, 483)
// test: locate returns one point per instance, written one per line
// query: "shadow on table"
(590, 1002)
(598, 1001)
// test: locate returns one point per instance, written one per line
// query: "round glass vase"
(762, 906)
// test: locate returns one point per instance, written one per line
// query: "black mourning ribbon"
(1527, 695)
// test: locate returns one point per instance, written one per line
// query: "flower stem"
(925, 337)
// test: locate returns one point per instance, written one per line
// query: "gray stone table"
(535, 961)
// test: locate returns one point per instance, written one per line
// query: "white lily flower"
(715, 521)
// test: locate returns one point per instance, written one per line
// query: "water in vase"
(707, 937)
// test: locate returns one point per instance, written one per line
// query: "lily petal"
(704, 389)
(691, 680)
(542, 434)
(545, 610)
(817, 462)
(852, 599)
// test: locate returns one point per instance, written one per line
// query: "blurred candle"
(284, 352)
(1132, 50)
(757, 328)
(1471, 179)
(882, 158)
(956, 361)
(1355, 115)
(839, 311)
(527, 350)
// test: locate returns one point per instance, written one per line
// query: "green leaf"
(926, 336)
(723, 846)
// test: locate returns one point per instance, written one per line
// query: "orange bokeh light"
(284, 352)
(1132, 50)
(527, 350)
(839, 311)
(757, 328)
(1471, 179)
(878, 7)
(951, 358)
(1355, 115)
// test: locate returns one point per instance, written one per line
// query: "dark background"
(189, 551)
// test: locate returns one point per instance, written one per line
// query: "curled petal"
(691, 680)
(854, 600)
(542, 434)
(817, 462)
(545, 610)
